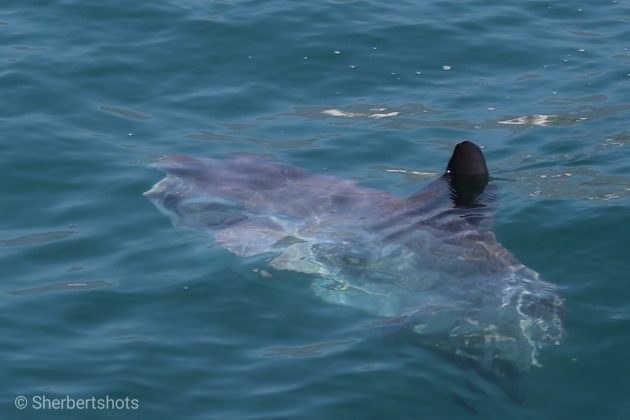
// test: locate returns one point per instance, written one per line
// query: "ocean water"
(101, 297)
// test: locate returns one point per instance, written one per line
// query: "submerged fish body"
(430, 259)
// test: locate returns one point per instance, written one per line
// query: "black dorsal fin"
(467, 174)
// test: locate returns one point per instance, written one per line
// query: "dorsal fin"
(467, 159)
(467, 174)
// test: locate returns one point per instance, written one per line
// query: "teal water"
(101, 296)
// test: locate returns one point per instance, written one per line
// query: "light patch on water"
(410, 172)
(542, 120)
(339, 113)
(610, 196)
(60, 286)
(376, 115)
(312, 350)
(263, 273)
(38, 238)
(132, 338)
(133, 115)
(536, 119)
(384, 115)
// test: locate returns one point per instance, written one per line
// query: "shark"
(430, 261)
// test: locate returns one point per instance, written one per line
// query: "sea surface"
(102, 298)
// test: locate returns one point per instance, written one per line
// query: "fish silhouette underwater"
(430, 259)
